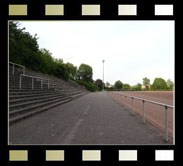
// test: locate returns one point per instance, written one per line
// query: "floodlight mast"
(103, 74)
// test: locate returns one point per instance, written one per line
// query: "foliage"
(72, 70)
(99, 84)
(170, 84)
(118, 84)
(159, 84)
(45, 59)
(137, 87)
(146, 82)
(126, 87)
(24, 50)
(84, 77)
(89, 85)
(85, 73)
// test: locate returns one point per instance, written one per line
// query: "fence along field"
(155, 114)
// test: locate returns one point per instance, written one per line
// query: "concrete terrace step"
(20, 100)
(27, 103)
(12, 97)
(31, 113)
(78, 95)
(30, 92)
(75, 92)
(34, 107)
(35, 86)
(28, 87)
(27, 90)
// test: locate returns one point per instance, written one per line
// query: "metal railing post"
(166, 122)
(143, 110)
(32, 83)
(15, 64)
(20, 83)
(13, 69)
(132, 106)
(48, 84)
(41, 84)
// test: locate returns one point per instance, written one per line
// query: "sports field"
(155, 114)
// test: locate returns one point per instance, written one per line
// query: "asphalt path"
(93, 119)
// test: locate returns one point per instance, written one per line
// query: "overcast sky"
(132, 50)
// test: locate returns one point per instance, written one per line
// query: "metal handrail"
(33, 77)
(36, 77)
(149, 101)
(41, 78)
(15, 64)
(143, 109)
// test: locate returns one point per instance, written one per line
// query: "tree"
(126, 87)
(146, 82)
(23, 48)
(118, 84)
(88, 85)
(136, 87)
(159, 84)
(99, 84)
(170, 84)
(59, 70)
(85, 73)
(71, 70)
(45, 61)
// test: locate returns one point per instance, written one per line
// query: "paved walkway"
(92, 119)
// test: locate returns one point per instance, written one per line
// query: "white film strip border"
(92, 10)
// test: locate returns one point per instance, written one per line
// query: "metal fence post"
(41, 84)
(143, 110)
(20, 83)
(24, 70)
(48, 84)
(13, 69)
(32, 83)
(132, 106)
(166, 122)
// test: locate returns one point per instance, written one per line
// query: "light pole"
(103, 74)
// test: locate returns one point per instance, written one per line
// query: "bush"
(88, 85)
(118, 84)
(159, 84)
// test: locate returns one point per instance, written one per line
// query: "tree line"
(24, 50)
(158, 84)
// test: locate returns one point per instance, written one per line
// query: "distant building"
(146, 87)
(108, 85)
